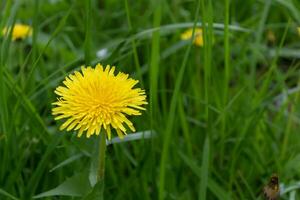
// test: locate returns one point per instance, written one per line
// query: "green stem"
(98, 170)
(101, 153)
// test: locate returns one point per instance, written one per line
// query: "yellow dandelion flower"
(20, 31)
(198, 40)
(96, 98)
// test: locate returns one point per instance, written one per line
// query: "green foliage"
(225, 116)
(77, 185)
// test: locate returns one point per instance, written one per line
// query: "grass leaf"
(75, 186)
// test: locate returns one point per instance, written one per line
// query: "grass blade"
(172, 112)
(204, 170)
(3, 192)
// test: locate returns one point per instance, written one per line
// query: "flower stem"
(101, 166)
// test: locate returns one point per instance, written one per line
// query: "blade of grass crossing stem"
(204, 170)
(87, 41)
(176, 26)
(133, 44)
(172, 112)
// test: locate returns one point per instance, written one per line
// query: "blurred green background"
(226, 115)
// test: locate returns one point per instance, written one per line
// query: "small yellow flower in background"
(20, 31)
(198, 40)
(298, 30)
(96, 98)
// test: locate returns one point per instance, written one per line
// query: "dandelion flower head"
(96, 98)
(198, 39)
(20, 31)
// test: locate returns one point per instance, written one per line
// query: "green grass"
(224, 116)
